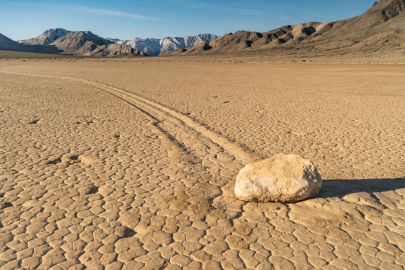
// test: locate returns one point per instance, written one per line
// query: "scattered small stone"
(128, 232)
(55, 161)
(90, 189)
(33, 122)
(70, 159)
(124, 232)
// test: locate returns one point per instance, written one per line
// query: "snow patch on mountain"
(155, 46)
(47, 37)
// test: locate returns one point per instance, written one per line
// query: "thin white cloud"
(107, 12)
(235, 10)
(197, 5)
(191, 4)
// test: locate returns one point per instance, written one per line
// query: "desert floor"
(110, 165)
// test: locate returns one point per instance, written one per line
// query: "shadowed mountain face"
(10, 45)
(381, 29)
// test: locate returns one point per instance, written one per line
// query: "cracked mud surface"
(132, 166)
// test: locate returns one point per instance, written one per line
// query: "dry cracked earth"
(109, 165)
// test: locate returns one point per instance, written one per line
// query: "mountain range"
(85, 43)
(377, 33)
(155, 46)
(61, 41)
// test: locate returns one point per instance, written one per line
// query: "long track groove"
(152, 108)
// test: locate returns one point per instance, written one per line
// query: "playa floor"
(131, 165)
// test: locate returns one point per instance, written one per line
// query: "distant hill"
(116, 50)
(155, 46)
(88, 44)
(379, 32)
(47, 37)
(79, 42)
(11, 45)
(242, 40)
(61, 41)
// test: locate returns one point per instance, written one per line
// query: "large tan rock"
(282, 178)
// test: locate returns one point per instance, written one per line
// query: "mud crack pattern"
(94, 176)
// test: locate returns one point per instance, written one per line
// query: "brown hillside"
(379, 31)
(116, 50)
(79, 42)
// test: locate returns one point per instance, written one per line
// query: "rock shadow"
(341, 187)
(92, 190)
(6, 205)
(128, 232)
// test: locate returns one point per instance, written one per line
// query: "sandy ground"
(111, 165)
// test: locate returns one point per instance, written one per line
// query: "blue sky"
(127, 19)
